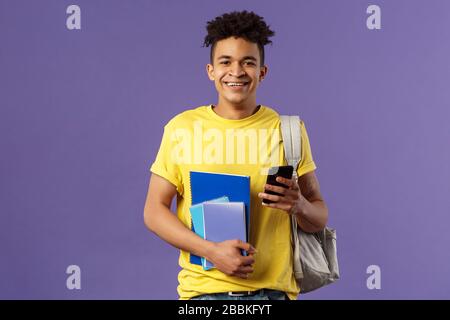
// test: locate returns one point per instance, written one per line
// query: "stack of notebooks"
(220, 208)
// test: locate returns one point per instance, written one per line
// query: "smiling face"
(236, 71)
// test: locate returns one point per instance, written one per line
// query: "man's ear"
(263, 72)
(210, 71)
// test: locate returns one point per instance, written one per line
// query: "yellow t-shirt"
(201, 140)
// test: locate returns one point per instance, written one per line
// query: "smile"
(236, 84)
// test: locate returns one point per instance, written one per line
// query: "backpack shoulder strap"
(290, 131)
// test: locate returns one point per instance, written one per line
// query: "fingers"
(272, 197)
(290, 183)
(287, 182)
(288, 192)
(243, 272)
(243, 264)
(248, 260)
(282, 206)
(246, 269)
(245, 246)
(277, 189)
(241, 275)
(285, 203)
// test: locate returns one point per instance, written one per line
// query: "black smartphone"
(274, 172)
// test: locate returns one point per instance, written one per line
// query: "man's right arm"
(159, 219)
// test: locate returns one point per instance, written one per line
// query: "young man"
(235, 136)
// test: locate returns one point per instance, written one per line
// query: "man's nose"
(236, 70)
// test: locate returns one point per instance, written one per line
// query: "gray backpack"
(315, 254)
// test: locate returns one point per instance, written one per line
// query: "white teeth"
(235, 84)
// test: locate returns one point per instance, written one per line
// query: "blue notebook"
(208, 185)
(197, 221)
(223, 221)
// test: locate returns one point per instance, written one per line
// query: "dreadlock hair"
(244, 24)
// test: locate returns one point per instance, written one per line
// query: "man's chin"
(236, 100)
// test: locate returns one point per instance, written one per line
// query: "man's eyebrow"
(244, 58)
(223, 57)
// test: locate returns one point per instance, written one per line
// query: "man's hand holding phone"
(281, 191)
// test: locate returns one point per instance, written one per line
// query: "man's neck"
(233, 112)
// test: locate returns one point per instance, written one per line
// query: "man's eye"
(250, 63)
(224, 62)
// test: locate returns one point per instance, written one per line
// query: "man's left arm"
(311, 211)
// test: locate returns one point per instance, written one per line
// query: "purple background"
(82, 114)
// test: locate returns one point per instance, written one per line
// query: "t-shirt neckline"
(256, 115)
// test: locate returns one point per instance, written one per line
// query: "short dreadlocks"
(244, 24)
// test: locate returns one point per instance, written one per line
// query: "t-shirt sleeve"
(306, 163)
(165, 163)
